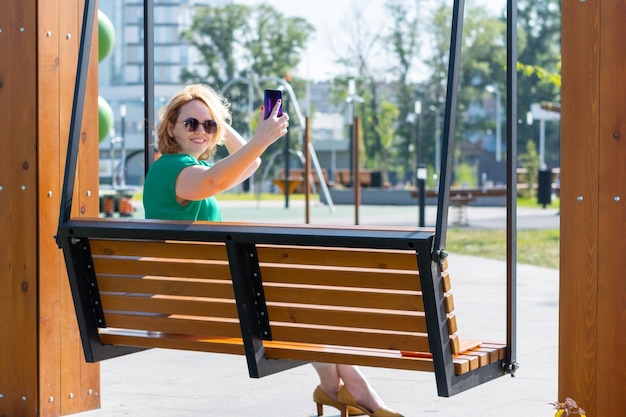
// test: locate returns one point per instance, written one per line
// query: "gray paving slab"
(188, 384)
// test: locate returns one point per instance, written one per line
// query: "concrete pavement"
(176, 383)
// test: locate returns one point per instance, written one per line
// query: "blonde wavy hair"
(218, 106)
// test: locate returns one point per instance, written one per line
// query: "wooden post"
(592, 306)
(42, 368)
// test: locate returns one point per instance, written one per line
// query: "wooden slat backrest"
(375, 288)
(166, 286)
(314, 295)
(364, 305)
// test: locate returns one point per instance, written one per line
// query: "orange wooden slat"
(473, 361)
(163, 267)
(452, 324)
(455, 344)
(448, 301)
(499, 347)
(365, 318)
(339, 257)
(344, 297)
(345, 277)
(194, 306)
(342, 336)
(189, 325)
(158, 249)
(172, 341)
(167, 286)
(334, 354)
(445, 280)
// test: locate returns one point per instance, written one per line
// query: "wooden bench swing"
(280, 295)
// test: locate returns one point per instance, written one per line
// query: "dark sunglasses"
(192, 125)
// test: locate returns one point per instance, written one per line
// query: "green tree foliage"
(276, 46)
(241, 42)
(403, 42)
(386, 132)
(217, 33)
(235, 40)
(483, 63)
(539, 65)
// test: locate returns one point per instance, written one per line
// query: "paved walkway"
(159, 383)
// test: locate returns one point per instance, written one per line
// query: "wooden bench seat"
(281, 296)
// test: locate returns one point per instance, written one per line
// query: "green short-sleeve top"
(159, 192)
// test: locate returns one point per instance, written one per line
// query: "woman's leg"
(358, 386)
(332, 376)
(329, 378)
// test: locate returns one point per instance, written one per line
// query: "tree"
(383, 83)
(483, 63)
(386, 131)
(276, 42)
(236, 41)
(540, 62)
(217, 33)
(403, 43)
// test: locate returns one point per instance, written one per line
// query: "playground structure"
(42, 370)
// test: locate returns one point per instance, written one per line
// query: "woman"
(182, 184)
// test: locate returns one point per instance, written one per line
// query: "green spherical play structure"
(106, 36)
(106, 40)
(105, 118)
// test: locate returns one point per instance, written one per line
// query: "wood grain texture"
(7, 369)
(579, 204)
(593, 221)
(611, 295)
(18, 362)
(323, 304)
(52, 278)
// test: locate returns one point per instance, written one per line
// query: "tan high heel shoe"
(321, 399)
(344, 396)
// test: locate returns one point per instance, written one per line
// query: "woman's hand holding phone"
(271, 97)
(273, 123)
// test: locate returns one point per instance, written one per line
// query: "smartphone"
(270, 99)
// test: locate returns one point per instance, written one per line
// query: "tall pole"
(353, 148)
(286, 153)
(420, 171)
(357, 174)
(511, 191)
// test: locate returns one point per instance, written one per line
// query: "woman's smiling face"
(194, 143)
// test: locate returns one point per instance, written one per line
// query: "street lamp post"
(495, 90)
(418, 139)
